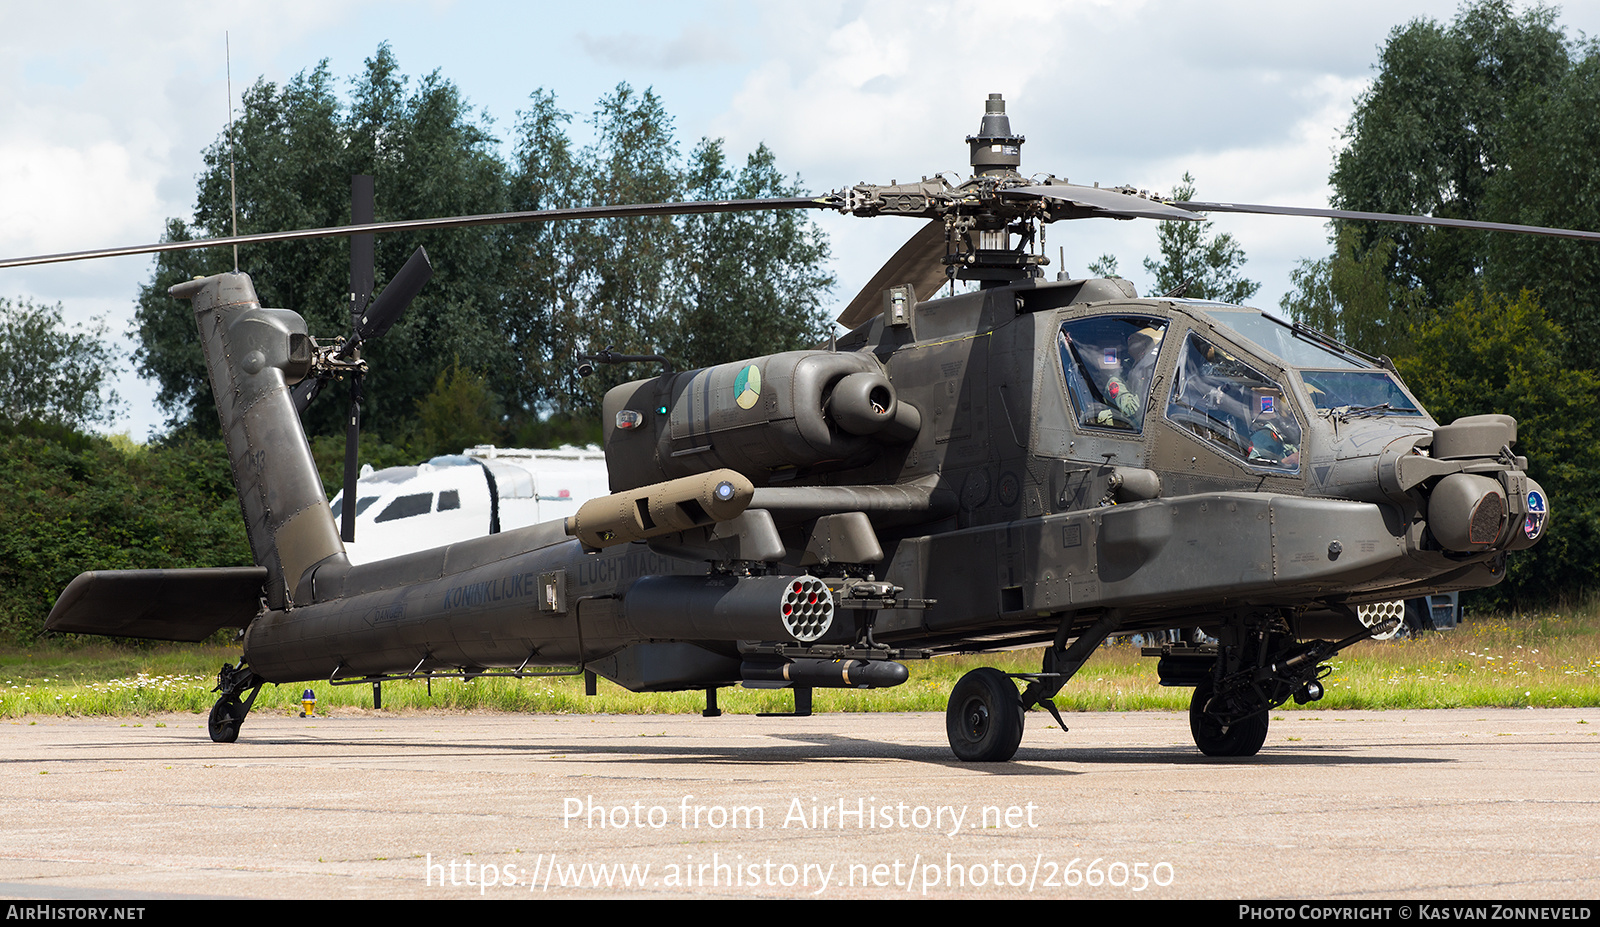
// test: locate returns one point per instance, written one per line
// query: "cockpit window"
(1232, 405)
(406, 506)
(362, 504)
(1109, 363)
(1357, 391)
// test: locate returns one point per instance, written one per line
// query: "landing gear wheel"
(226, 717)
(984, 718)
(1243, 738)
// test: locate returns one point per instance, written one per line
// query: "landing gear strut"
(984, 718)
(1256, 666)
(227, 715)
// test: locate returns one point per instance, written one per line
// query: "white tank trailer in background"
(483, 490)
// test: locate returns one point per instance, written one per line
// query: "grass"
(1550, 659)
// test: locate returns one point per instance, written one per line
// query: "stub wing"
(165, 605)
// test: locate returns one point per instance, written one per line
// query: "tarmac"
(1346, 806)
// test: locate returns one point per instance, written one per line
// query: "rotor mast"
(995, 151)
(988, 256)
(980, 215)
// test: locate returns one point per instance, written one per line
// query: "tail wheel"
(1242, 738)
(984, 718)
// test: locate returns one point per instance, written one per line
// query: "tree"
(515, 303)
(1487, 118)
(1189, 253)
(1349, 296)
(1104, 266)
(458, 412)
(49, 373)
(1490, 353)
(1552, 178)
(296, 148)
(701, 290)
(623, 269)
(72, 502)
(751, 283)
(543, 311)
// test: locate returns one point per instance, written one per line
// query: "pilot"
(1143, 346)
(1268, 446)
(1127, 391)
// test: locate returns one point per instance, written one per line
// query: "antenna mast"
(233, 193)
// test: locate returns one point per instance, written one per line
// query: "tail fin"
(253, 355)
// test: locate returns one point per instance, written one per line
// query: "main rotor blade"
(1090, 202)
(447, 222)
(918, 262)
(394, 299)
(1253, 209)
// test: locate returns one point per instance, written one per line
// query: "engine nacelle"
(804, 410)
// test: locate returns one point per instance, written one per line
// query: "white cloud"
(693, 46)
(53, 197)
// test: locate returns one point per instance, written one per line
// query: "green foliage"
(1488, 118)
(457, 413)
(1552, 178)
(296, 148)
(1104, 266)
(1189, 253)
(578, 430)
(1347, 295)
(1491, 118)
(623, 269)
(543, 308)
(70, 502)
(51, 374)
(518, 303)
(700, 290)
(1495, 354)
(751, 283)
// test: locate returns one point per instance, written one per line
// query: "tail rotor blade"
(392, 302)
(352, 443)
(305, 391)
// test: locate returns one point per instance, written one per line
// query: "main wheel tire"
(984, 718)
(1243, 738)
(226, 717)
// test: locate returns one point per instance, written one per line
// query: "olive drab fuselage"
(1025, 463)
(1031, 462)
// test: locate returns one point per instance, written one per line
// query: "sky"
(106, 107)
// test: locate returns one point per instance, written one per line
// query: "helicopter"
(1030, 463)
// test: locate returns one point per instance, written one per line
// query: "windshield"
(1280, 339)
(1357, 391)
(1353, 385)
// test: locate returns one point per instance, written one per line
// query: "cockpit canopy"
(1241, 380)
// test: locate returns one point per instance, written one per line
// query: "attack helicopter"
(1032, 462)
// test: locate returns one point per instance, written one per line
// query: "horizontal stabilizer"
(163, 605)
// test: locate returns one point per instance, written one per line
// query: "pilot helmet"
(1142, 341)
